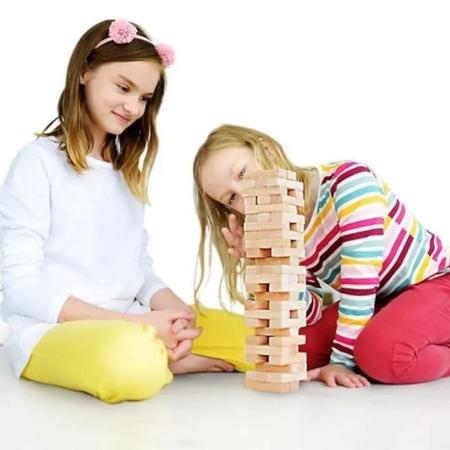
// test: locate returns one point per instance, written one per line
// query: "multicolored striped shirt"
(364, 243)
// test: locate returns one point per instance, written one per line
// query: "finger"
(180, 314)
(356, 381)
(178, 325)
(182, 350)
(330, 380)
(232, 222)
(227, 235)
(364, 380)
(189, 333)
(344, 380)
(234, 252)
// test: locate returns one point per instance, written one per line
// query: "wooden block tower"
(273, 232)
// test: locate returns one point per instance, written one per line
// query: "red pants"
(406, 341)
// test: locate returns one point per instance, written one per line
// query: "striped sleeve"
(361, 208)
(313, 296)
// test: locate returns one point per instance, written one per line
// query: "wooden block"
(256, 359)
(265, 191)
(287, 368)
(286, 287)
(264, 278)
(262, 199)
(275, 377)
(267, 331)
(268, 350)
(251, 305)
(272, 387)
(258, 253)
(249, 183)
(273, 181)
(284, 216)
(268, 314)
(287, 251)
(268, 173)
(286, 305)
(280, 341)
(281, 269)
(256, 323)
(286, 261)
(286, 359)
(272, 244)
(278, 207)
(255, 225)
(273, 234)
(249, 201)
(296, 200)
(257, 340)
(287, 323)
(276, 296)
(256, 287)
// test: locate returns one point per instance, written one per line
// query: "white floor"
(214, 411)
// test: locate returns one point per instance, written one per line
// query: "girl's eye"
(232, 198)
(123, 88)
(242, 173)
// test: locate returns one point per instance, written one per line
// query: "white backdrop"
(331, 80)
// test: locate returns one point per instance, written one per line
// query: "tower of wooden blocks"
(273, 232)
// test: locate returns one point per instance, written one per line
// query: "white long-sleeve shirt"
(64, 234)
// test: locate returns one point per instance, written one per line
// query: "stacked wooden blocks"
(273, 232)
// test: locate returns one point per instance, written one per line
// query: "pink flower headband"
(123, 32)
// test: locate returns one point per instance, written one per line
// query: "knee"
(133, 365)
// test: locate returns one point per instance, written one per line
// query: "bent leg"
(408, 341)
(224, 334)
(112, 360)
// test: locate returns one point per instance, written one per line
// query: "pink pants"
(406, 341)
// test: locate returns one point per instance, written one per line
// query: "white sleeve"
(151, 282)
(24, 228)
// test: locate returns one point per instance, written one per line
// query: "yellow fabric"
(113, 360)
(223, 336)
(116, 360)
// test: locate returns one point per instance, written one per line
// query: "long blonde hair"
(123, 151)
(214, 215)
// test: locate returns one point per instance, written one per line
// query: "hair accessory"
(166, 53)
(123, 32)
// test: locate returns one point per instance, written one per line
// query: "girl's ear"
(85, 75)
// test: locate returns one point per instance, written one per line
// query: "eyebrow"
(132, 84)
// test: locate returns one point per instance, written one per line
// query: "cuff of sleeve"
(147, 291)
(345, 360)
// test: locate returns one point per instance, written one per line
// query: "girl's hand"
(336, 374)
(178, 340)
(234, 235)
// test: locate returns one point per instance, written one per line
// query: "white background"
(330, 80)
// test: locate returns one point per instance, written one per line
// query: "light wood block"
(264, 278)
(278, 207)
(256, 323)
(268, 314)
(273, 234)
(275, 269)
(257, 340)
(251, 305)
(279, 341)
(256, 359)
(286, 287)
(269, 350)
(288, 368)
(275, 377)
(266, 191)
(267, 331)
(286, 359)
(286, 305)
(276, 296)
(272, 387)
(287, 323)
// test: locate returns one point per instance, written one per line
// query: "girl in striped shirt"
(392, 321)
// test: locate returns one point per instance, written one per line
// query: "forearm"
(166, 299)
(77, 309)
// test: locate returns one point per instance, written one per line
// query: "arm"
(361, 208)
(313, 296)
(25, 224)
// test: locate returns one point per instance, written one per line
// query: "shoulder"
(38, 152)
(347, 173)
